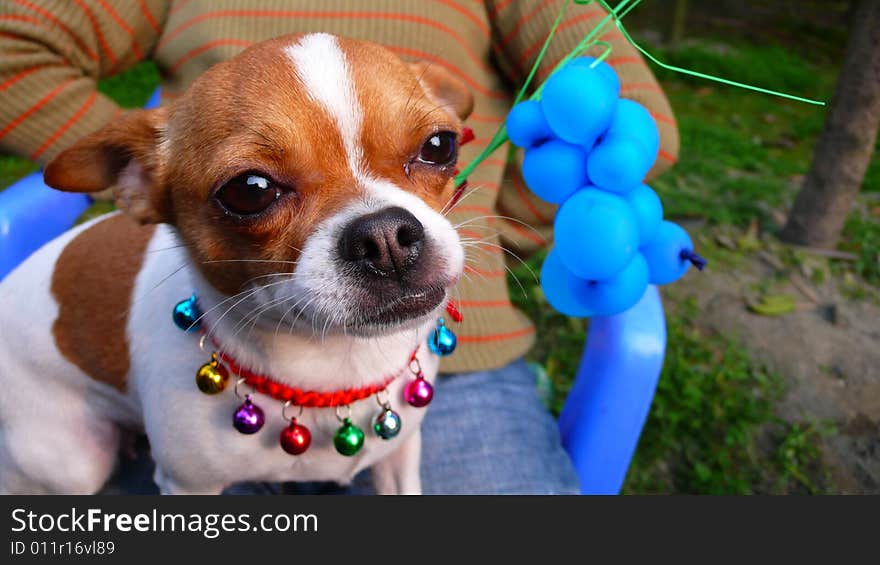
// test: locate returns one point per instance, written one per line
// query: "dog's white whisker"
(500, 217)
(453, 203)
(248, 295)
(249, 261)
(486, 236)
(478, 247)
(248, 292)
(288, 310)
(160, 283)
(171, 248)
(269, 275)
(255, 313)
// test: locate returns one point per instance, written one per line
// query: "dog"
(298, 190)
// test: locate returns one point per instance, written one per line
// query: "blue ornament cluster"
(589, 151)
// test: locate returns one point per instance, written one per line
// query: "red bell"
(295, 438)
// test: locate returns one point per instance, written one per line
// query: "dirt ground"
(827, 349)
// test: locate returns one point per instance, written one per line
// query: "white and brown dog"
(298, 189)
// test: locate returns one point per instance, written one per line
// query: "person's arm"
(519, 29)
(52, 53)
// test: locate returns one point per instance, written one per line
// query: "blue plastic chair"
(32, 214)
(602, 418)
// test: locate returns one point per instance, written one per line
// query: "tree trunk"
(844, 149)
(675, 32)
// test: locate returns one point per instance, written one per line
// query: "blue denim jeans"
(489, 433)
(485, 433)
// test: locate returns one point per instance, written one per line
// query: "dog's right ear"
(124, 155)
(444, 87)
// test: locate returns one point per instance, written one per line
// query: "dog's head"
(309, 172)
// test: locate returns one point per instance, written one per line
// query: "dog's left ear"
(443, 87)
(124, 155)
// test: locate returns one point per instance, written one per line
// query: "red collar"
(314, 399)
(308, 398)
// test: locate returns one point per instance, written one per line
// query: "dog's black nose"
(386, 243)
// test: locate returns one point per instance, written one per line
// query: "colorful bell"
(295, 438)
(212, 377)
(418, 392)
(387, 424)
(186, 314)
(249, 417)
(442, 341)
(348, 439)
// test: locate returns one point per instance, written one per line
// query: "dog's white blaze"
(322, 67)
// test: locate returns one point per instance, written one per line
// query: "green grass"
(13, 168)
(132, 88)
(742, 150)
(861, 234)
(744, 153)
(712, 427)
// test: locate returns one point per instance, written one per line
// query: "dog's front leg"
(168, 485)
(399, 472)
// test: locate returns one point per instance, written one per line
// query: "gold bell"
(212, 377)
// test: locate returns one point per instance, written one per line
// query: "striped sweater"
(52, 52)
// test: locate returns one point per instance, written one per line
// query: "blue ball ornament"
(667, 253)
(555, 170)
(596, 234)
(648, 210)
(619, 292)
(633, 120)
(562, 289)
(618, 164)
(578, 103)
(526, 125)
(602, 68)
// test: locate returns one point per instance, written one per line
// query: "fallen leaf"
(749, 240)
(773, 305)
(725, 241)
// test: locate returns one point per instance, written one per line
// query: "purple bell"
(249, 417)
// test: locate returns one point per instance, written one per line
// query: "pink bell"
(418, 392)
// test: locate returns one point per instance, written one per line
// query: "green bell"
(348, 439)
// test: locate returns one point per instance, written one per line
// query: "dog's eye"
(439, 149)
(248, 194)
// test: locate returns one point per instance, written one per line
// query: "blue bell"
(442, 341)
(186, 314)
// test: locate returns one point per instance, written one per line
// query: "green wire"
(615, 14)
(500, 137)
(697, 74)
